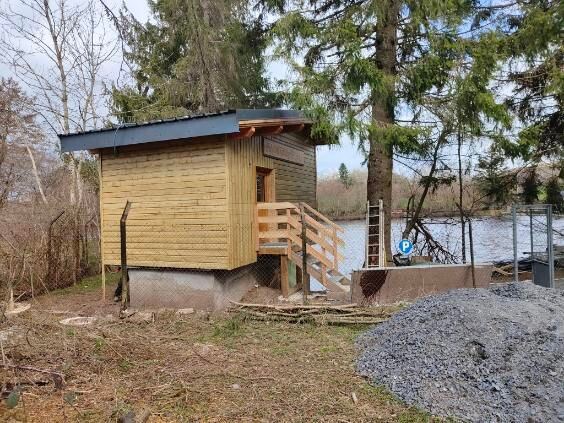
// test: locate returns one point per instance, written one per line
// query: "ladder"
(375, 255)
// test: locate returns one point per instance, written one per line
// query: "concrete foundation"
(389, 285)
(202, 290)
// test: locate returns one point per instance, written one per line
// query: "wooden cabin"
(209, 192)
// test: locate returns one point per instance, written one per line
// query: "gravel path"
(483, 355)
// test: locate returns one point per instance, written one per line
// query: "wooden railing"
(280, 226)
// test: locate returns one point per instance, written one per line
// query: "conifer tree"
(345, 176)
(534, 48)
(193, 56)
(378, 70)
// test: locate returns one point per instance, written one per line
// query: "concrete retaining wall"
(201, 290)
(392, 284)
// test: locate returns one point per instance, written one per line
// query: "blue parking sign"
(405, 247)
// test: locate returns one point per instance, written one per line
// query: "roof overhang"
(240, 123)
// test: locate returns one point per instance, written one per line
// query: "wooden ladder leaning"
(375, 254)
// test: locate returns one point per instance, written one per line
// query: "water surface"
(492, 236)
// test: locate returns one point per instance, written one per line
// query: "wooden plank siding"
(293, 183)
(193, 201)
(178, 192)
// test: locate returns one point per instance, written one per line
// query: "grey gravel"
(479, 355)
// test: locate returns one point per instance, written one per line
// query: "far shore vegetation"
(342, 194)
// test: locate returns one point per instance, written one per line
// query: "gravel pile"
(481, 355)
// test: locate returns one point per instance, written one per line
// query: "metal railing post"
(550, 245)
(515, 253)
(471, 239)
(123, 241)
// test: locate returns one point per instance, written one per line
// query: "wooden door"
(264, 192)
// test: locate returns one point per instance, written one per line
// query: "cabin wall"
(293, 183)
(193, 202)
(296, 183)
(179, 197)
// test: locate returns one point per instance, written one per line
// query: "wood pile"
(319, 314)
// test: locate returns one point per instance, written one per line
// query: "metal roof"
(224, 122)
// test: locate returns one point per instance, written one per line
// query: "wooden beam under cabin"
(270, 130)
(284, 276)
(243, 133)
(294, 128)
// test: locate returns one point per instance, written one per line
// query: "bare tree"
(18, 129)
(58, 51)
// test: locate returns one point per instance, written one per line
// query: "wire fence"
(40, 253)
(168, 248)
(177, 257)
(533, 238)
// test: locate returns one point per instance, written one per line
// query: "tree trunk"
(380, 156)
(36, 174)
(441, 139)
(461, 197)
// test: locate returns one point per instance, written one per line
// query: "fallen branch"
(58, 378)
(297, 306)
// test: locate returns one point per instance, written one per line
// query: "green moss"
(90, 284)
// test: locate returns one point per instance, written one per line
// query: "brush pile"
(319, 314)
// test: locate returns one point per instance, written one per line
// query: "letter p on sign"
(405, 246)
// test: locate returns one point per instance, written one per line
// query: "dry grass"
(200, 367)
(338, 202)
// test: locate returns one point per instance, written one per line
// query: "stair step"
(333, 286)
(337, 276)
(337, 279)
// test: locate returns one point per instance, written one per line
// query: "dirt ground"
(196, 367)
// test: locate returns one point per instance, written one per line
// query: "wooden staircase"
(280, 232)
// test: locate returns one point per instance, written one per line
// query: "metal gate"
(533, 250)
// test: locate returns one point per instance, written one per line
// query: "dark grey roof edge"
(141, 134)
(224, 122)
(151, 122)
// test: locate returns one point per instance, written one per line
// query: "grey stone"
(502, 349)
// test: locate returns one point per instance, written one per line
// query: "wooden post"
(102, 262)
(256, 228)
(123, 241)
(336, 249)
(305, 275)
(288, 229)
(284, 277)
(50, 259)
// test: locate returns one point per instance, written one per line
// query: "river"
(492, 236)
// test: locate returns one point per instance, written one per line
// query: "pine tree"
(534, 47)
(530, 187)
(197, 56)
(554, 192)
(495, 181)
(345, 176)
(377, 68)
